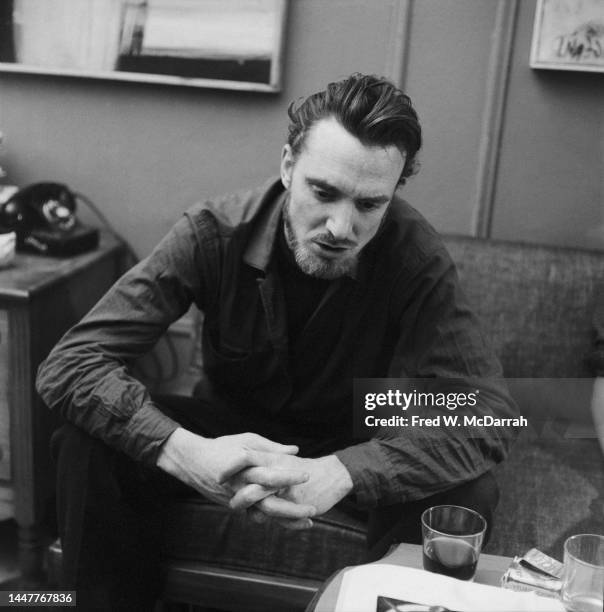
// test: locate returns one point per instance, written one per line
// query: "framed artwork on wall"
(568, 35)
(227, 44)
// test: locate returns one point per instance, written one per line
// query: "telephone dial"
(43, 217)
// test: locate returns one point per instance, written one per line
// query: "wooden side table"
(40, 298)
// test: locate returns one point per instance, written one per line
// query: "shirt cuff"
(367, 481)
(146, 432)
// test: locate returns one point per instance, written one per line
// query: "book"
(389, 604)
(366, 587)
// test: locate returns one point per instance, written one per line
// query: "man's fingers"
(295, 524)
(274, 478)
(264, 444)
(258, 516)
(262, 458)
(242, 459)
(249, 495)
(282, 508)
(248, 458)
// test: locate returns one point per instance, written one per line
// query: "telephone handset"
(43, 217)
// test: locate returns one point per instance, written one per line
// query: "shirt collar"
(260, 246)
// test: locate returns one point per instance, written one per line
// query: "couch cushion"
(536, 303)
(201, 531)
(552, 486)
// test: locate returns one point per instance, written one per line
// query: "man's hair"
(371, 108)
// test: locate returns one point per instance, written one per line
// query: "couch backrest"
(536, 303)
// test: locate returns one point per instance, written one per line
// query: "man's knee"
(86, 466)
(480, 494)
(74, 442)
(402, 522)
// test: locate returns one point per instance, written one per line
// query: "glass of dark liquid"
(453, 538)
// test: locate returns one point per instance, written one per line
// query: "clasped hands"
(249, 472)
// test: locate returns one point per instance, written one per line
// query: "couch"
(536, 305)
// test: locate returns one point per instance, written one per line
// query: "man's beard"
(311, 263)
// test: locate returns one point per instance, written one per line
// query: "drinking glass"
(453, 538)
(583, 577)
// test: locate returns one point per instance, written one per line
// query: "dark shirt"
(302, 292)
(401, 314)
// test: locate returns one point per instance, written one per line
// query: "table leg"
(31, 556)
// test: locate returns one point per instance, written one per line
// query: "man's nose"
(341, 221)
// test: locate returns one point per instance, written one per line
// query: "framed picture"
(568, 35)
(230, 44)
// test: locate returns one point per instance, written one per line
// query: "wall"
(446, 71)
(526, 144)
(143, 153)
(551, 177)
(509, 152)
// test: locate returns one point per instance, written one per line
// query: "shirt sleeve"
(440, 340)
(87, 376)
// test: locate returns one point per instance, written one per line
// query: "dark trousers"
(111, 521)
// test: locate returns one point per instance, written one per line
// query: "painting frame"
(264, 72)
(568, 35)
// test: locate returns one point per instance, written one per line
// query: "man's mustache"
(328, 239)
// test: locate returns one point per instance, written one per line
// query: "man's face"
(339, 191)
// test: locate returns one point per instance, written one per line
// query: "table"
(40, 298)
(489, 571)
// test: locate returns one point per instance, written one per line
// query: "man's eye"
(367, 206)
(323, 195)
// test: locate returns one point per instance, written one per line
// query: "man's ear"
(287, 165)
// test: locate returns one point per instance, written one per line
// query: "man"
(306, 283)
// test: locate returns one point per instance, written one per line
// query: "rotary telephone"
(43, 217)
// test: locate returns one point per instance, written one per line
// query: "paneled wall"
(550, 185)
(510, 152)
